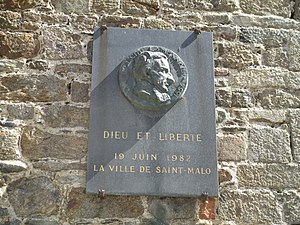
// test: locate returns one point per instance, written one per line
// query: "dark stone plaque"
(152, 114)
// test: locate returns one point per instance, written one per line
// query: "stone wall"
(45, 67)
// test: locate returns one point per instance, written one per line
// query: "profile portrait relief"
(152, 75)
(153, 78)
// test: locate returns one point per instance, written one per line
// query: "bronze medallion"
(153, 78)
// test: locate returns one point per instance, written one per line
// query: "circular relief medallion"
(153, 78)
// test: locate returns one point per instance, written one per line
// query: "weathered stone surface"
(236, 121)
(179, 4)
(223, 97)
(216, 18)
(262, 36)
(33, 87)
(242, 98)
(249, 207)
(69, 6)
(274, 176)
(269, 145)
(266, 7)
(226, 5)
(294, 51)
(10, 221)
(24, 4)
(3, 212)
(85, 23)
(276, 57)
(65, 116)
(137, 8)
(243, 20)
(56, 165)
(150, 23)
(267, 116)
(121, 21)
(291, 206)
(10, 20)
(237, 56)
(62, 43)
(295, 133)
(9, 147)
(81, 205)
(38, 65)
(232, 147)
(170, 208)
(73, 70)
(37, 144)
(41, 221)
(31, 196)
(76, 178)
(20, 111)
(270, 98)
(8, 65)
(11, 166)
(260, 78)
(17, 44)
(80, 92)
(225, 175)
(296, 10)
(107, 6)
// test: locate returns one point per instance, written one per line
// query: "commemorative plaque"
(152, 114)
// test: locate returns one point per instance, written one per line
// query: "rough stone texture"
(105, 5)
(10, 20)
(10, 166)
(72, 177)
(165, 210)
(232, 147)
(11, 65)
(296, 10)
(275, 176)
(80, 92)
(73, 70)
(31, 196)
(24, 4)
(269, 145)
(121, 21)
(33, 87)
(9, 139)
(291, 205)
(294, 52)
(268, 116)
(267, 78)
(294, 117)
(138, 8)
(75, 6)
(58, 165)
(266, 7)
(225, 5)
(150, 23)
(20, 111)
(249, 207)
(15, 45)
(62, 43)
(81, 205)
(262, 36)
(277, 99)
(236, 56)
(65, 116)
(41, 221)
(225, 175)
(37, 144)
